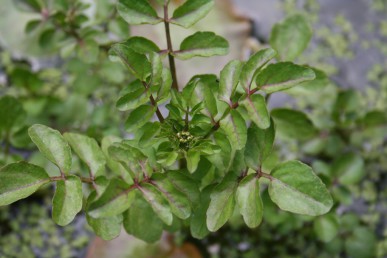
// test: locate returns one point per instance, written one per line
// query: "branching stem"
(171, 59)
(154, 103)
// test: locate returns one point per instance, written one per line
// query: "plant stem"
(154, 103)
(186, 120)
(171, 59)
(158, 113)
(263, 174)
(235, 105)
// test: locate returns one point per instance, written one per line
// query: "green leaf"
(88, 151)
(234, 126)
(348, 169)
(229, 78)
(362, 243)
(346, 107)
(257, 110)
(259, 145)
(222, 203)
(52, 145)
(193, 158)
(138, 64)
(293, 124)
(142, 222)
(88, 51)
(202, 44)
(180, 205)
(114, 166)
(167, 158)
(28, 5)
(157, 68)
(191, 12)
(320, 82)
(282, 76)
(116, 199)
(326, 227)
(255, 63)
(374, 118)
(67, 201)
(139, 117)
(20, 180)
(295, 188)
(205, 89)
(165, 85)
(32, 25)
(185, 184)
(141, 45)
(148, 133)
(106, 228)
(47, 38)
(137, 12)
(133, 99)
(198, 225)
(291, 37)
(158, 203)
(249, 201)
(10, 111)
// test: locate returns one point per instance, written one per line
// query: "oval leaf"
(88, 151)
(52, 145)
(67, 201)
(10, 111)
(198, 225)
(191, 12)
(326, 227)
(139, 117)
(185, 184)
(142, 222)
(291, 37)
(116, 199)
(141, 45)
(138, 64)
(180, 205)
(229, 78)
(105, 228)
(249, 201)
(202, 44)
(20, 180)
(295, 188)
(133, 99)
(293, 124)
(254, 65)
(259, 145)
(137, 12)
(282, 76)
(348, 169)
(193, 158)
(234, 126)
(222, 203)
(158, 203)
(257, 110)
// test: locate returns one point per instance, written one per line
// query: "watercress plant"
(194, 155)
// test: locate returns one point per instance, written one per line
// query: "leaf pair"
(293, 187)
(227, 194)
(273, 78)
(141, 12)
(199, 44)
(68, 196)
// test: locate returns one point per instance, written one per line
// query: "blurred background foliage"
(54, 70)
